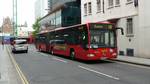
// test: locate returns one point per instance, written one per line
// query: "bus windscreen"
(102, 36)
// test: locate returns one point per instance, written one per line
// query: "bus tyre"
(72, 54)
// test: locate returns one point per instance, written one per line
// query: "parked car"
(19, 45)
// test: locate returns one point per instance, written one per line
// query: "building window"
(89, 8)
(99, 6)
(135, 3)
(129, 30)
(129, 2)
(85, 9)
(110, 3)
(117, 2)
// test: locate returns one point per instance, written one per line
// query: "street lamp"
(15, 17)
(2, 37)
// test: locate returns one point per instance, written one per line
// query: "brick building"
(7, 26)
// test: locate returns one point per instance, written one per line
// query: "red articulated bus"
(91, 41)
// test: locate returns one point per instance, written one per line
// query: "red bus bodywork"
(84, 53)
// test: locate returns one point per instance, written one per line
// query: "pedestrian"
(3, 44)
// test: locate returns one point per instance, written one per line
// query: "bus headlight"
(90, 55)
(111, 50)
(114, 54)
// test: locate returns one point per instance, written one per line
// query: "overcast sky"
(25, 11)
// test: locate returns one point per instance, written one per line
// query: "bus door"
(83, 41)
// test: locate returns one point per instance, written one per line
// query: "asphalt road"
(44, 68)
(8, 74)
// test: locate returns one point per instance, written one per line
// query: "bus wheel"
(72, 54)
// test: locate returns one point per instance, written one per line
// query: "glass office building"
(63, 15)
(52, 4)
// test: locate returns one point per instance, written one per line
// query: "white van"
(20, 45)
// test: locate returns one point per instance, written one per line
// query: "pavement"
(134, 60)
(8, 74)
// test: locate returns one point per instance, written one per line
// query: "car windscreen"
(21, 42)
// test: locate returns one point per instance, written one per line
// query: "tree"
(36, 27)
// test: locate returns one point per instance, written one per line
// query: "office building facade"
(67, 13)
(132, 15)
(52, 4)
(41, 8)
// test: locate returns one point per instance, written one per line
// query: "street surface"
(8, 74)
(44, 68)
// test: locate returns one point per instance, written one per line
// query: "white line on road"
(54, 58)
(100, 73)
(44, 54)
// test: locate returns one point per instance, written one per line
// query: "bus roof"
(61, 28)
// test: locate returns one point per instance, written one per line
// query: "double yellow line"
(21, 75)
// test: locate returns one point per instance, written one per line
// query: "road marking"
(54, 58)
(21, 75)
(97, 72)
(44, 54)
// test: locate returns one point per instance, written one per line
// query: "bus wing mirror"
(122, 32)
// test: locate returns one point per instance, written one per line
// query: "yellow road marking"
(21, 75)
